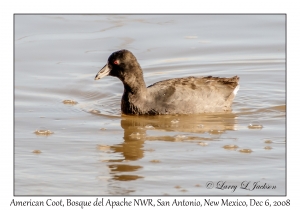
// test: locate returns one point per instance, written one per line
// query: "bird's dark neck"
(134, 96)
(134, 83)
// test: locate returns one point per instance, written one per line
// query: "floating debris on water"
(230, 147)
(71, 102)
(268, 141)
(268, 147)
(37, 151)
(155, 161)
(44, 132)
(252, 126)
(197, 185)
(94, 111)
(183, 190)
(255, 125)
(203, 144)
(177, 186)
(245, 150)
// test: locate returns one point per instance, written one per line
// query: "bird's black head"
(121, 64)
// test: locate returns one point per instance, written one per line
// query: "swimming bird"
(189, 95)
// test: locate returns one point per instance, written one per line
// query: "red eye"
(116, 62)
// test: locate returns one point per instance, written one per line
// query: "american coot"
(188, 95)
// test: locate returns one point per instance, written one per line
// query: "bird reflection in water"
(187, 128)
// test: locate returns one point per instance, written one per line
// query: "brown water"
(86, 147)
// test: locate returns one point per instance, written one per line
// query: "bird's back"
(192, 95)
